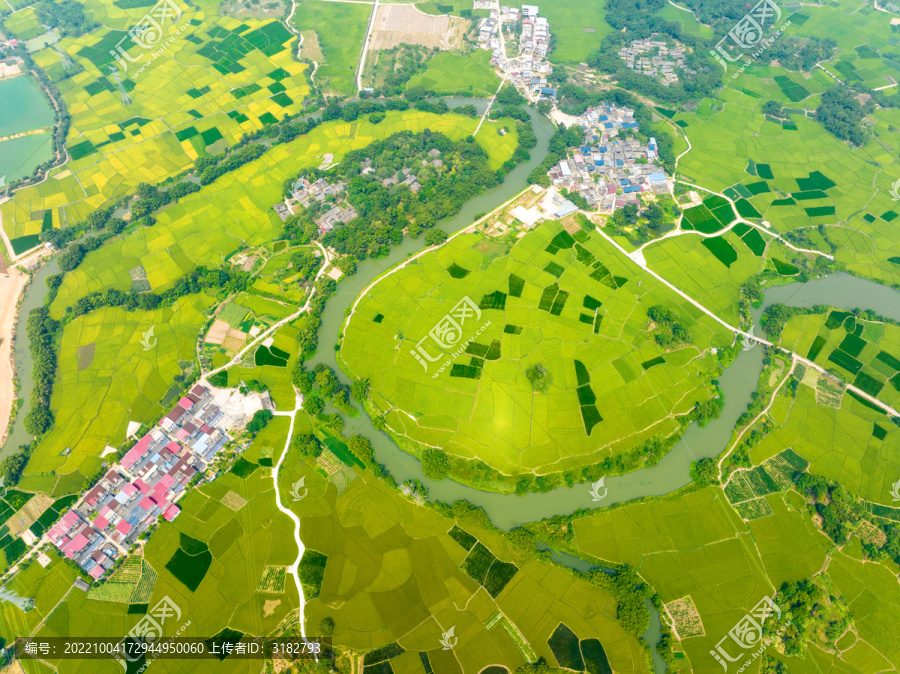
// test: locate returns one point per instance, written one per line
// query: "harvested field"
(23, 519)
(233, 500)
(829, 392)
(686, 618)
(224, 334)
(869, 533)
(218, 332)
(404, 24)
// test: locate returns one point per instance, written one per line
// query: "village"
(151, 477)
(656, 57)
(612, 168)
(528, 69)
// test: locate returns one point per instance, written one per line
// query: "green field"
(852, 211)
(242, 201)
(843, 443)
(863, 353)
(696, 546)
(216, 80)
(106, 378)
(580, 312)
(451, 73)
(340, 28)
(579, 28)
(395, 576)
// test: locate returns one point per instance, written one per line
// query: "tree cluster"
(67, 16)
(670, 330)
(842, 115)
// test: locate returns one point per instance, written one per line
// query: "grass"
(447, 72)
(492, 412)
(340, 28)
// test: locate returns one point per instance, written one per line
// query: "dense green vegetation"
(816, 615)
(67, 16)
(841, 113)
(383, 212)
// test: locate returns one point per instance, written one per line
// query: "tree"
(435, 463)
(435, 237)
(772, 108)
(307, 445)
(313, 404)
(705, 472)
(259, 421)
(362, 449)
(539, 377)
(509, 95)
(326, 626)
(842, 115)
(360, 389)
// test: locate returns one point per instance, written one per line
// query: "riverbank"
(12, 284)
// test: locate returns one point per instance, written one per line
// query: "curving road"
(293, 568)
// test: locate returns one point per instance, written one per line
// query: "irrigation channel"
(738, 381)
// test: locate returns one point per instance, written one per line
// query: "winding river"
(738, 381)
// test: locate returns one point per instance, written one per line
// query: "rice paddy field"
(793, 173)
(696, 546)
(241, 204)
(106, 378)
(341, 28)
(571, 305)
(398, 575)
(218, 79)
(861, 352)
(447, 72)
(271, 365)
(222, 554)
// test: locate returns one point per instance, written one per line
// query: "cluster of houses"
(144, 486)
(529, 68)
(406, 176)
(611, 169)
(654, 57)
(304, 193)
